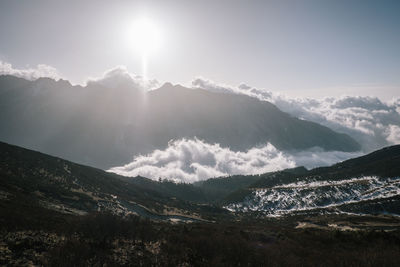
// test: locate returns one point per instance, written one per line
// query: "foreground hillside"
(32, 180)
(105, 127)
(366, 185)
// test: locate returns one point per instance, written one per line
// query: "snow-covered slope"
(303, 196)
(367, 184)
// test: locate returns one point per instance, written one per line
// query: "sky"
(301, 48)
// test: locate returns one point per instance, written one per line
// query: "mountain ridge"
(66, 186)
(102, 127)
(366, 184)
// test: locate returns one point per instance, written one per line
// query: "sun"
(145, 36)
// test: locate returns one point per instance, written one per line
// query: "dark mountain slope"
(40, 196)
(217, 189)
(105, 127)
(66, 187)
(367, 184)
(210, 191)
(235, 121)
(383, 163)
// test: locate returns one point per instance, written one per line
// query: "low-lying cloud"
(39, 71)
(370, 121)
(194, 160)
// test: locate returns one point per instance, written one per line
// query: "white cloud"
(41, 70)
(112, 78)
(212, 87)
(193, 160)
(370, 121)
(317, 157)
(120, 76)
(393, 134)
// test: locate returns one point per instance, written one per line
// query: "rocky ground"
(108, 240)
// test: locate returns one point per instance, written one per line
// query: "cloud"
(120, 76)
(194, 160)
(317, 157)
(213, 87)
(372, 122)
(112, 78)
(41, 70)
(393, 134)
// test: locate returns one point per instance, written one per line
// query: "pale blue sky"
(310, 48)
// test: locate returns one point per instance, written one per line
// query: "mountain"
(63, 186)
(105, 127)
(31, 180)
(368, 184)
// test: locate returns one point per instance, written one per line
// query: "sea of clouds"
(191, 160)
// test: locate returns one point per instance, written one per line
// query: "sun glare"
(145, 36)
(144, 39)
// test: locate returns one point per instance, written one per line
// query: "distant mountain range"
(103, 127)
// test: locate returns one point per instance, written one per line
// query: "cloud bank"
(115, 77)
(120, 76)
(41, 70)
(194, 160)
(370, 121)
